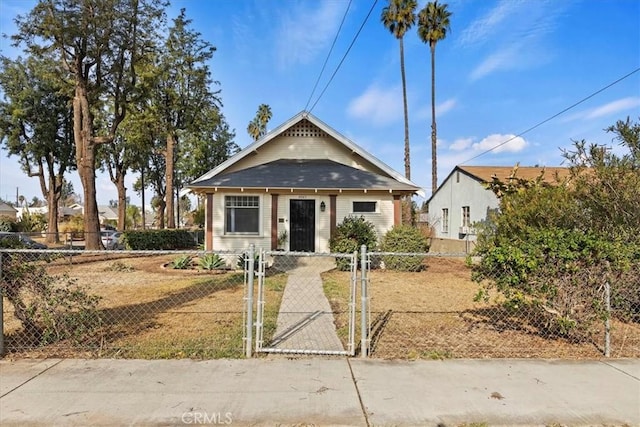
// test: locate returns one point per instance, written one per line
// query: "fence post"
(607, 321)
(1, 308)
(250, 265)
(364, 327)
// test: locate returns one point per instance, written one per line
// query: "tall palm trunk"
(407, 154)
(434, 160)
(407, 150)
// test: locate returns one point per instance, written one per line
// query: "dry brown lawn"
(149, 311)
(432, 314)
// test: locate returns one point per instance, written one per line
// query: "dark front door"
(302, 214)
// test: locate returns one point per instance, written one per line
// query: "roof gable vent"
(304, 129)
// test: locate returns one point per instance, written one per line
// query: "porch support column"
(208, 223)
(332, 215)
(274, 222)
(397, 210)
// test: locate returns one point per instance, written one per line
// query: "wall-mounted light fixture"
(323, 207)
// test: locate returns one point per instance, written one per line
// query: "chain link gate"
(309, 317)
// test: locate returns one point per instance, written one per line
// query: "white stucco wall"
(457, 191)
(382, 218)
(309, 148)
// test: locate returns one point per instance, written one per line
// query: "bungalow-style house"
(462, 199)
(290, 189)
(7, 210)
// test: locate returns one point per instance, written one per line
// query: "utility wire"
(328, 55)
(555, 115)
(345, 55)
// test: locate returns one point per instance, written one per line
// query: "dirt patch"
(432, 314)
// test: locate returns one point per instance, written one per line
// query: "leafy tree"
(183, 93)
(36, 125)
(398, 17)
(433, 25)
(99, 43)
(552, 247)
(257, 127)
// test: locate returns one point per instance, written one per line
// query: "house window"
(242, 214)
(445, 220)
(364, 207)
(466, 216)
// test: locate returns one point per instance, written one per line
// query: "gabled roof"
(5, 207)
(484, 174)
(307, 174)
(303, 115)
(503, 173)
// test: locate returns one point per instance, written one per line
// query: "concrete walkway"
(319, 392)
(305, 320)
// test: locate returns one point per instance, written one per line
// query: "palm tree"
(257, 127)
(433, 25)
(398, 17)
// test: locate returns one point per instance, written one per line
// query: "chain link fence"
(427, 306)
(140, 304)
(173, 304)
(315, 315)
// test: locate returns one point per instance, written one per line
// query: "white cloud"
(517, 29)
(504, 143)
(381, 106)
(607, 109)
(503, 59)
(305, 31)
(461, 144)
(614, 107)
(446, 106)
(482, 28)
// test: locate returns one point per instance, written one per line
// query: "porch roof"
(304, 174)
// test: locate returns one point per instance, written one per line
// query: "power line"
(328, 55)
(345, 55)
(554, 116)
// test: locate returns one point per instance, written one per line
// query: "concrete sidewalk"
(316, 391)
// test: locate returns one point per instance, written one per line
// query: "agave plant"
(181, 263)
(211, 262)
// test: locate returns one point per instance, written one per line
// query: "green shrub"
(211, 262)
(408, 239)
(350, 235)
(158, 240)
(50, 308)
(8, 224)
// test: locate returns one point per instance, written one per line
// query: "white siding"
(457, 191)
(222, 242)
(382, 219)
(309, 148)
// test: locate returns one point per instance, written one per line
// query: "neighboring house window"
(364, 207)
(242, 214)
(466, 216)
(445, 220)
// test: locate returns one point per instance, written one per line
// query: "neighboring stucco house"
(462, 199)
(7, 210)
(302, 179)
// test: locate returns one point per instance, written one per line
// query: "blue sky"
(506, 66)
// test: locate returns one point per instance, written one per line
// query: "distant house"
(107, 214)
(462, 199)
(302, 179)
(7, 210)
